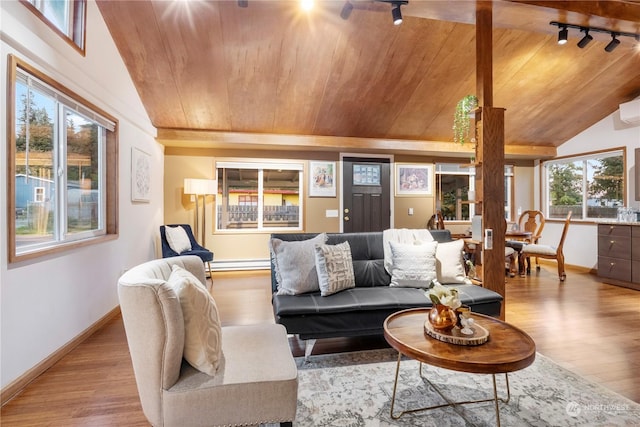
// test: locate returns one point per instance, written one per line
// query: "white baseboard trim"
(242, 264)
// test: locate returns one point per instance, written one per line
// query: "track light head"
(586, 39)
(397, 14)
(612, 44)
(346, 10)
(563, 35)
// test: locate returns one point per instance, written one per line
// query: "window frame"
(77, 22)
(509, 176)
(583, 157)
(260, 165)
(110, 188)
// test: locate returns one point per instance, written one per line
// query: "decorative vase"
(442, 317)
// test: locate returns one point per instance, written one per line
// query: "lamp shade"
(200, 186)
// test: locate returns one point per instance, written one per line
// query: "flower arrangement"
(441, 295)
(461, 122)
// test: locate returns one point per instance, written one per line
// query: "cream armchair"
(255, 383)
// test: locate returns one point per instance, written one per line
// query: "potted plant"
(462, 118)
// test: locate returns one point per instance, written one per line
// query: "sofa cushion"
(295, 265)
(202, 330)
(413, 265)
(360, 300)
(354, 299)
(177, 238)
(335, 268)
(450, 262)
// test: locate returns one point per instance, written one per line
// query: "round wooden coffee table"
(508, 349)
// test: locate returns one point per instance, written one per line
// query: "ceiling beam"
(183, 138)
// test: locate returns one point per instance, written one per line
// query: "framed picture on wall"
(322, 179)
(140, 176)
(414, 179)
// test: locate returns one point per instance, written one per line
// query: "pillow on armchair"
(177, 239)
(202, 328)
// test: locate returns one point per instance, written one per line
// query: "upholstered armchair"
(256, 378)
(195, 248)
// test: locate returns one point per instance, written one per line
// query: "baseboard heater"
(241, 264)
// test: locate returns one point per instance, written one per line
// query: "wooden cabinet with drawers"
(619, 254)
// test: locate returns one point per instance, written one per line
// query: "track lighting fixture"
(396, 13)
(564, 32)
(585, 40)
(563, 35)
(612, 44)
(346, 10)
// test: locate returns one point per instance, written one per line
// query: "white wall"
(581, 246)
(47, 302)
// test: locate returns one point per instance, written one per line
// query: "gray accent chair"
(256, 383)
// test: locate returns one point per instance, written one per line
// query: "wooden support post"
(489, 153)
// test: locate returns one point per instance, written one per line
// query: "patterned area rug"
(355, 389)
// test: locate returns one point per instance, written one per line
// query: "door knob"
(346, 218)
(346, 210)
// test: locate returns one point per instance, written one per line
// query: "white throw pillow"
(413, 266)
(295, 264)
(450, 262)
(202, 330)
(177, 239)
(402, 235)
(335, 268)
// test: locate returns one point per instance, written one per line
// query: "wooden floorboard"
(584, 325)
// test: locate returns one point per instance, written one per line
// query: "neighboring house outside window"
(259, 196)
(58, 157)
(592, 186)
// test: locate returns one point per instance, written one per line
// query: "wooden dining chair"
(531, 221)
(436, 222)
(547, 251)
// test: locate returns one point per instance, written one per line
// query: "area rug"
(355, 389)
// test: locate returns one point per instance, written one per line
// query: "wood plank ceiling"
(216, 74)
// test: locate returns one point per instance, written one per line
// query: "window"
(453, 183)
(259, 196)
(592, 186)
(63, 158)
(65, 17)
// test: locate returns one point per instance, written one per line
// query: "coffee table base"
(495, 398)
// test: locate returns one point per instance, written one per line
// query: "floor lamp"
(197, 188)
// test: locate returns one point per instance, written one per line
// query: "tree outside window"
(591, 186)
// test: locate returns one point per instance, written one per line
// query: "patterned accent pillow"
(177, 239)
(450, 262)
(335, 268)
(413, 266)
(294, 264)
(202, 330)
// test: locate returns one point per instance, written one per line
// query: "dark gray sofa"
(363, 309)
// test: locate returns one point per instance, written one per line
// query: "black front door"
(366, 194)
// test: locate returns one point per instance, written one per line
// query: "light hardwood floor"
(584, 325)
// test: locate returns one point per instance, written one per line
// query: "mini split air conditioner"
(630, 112)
